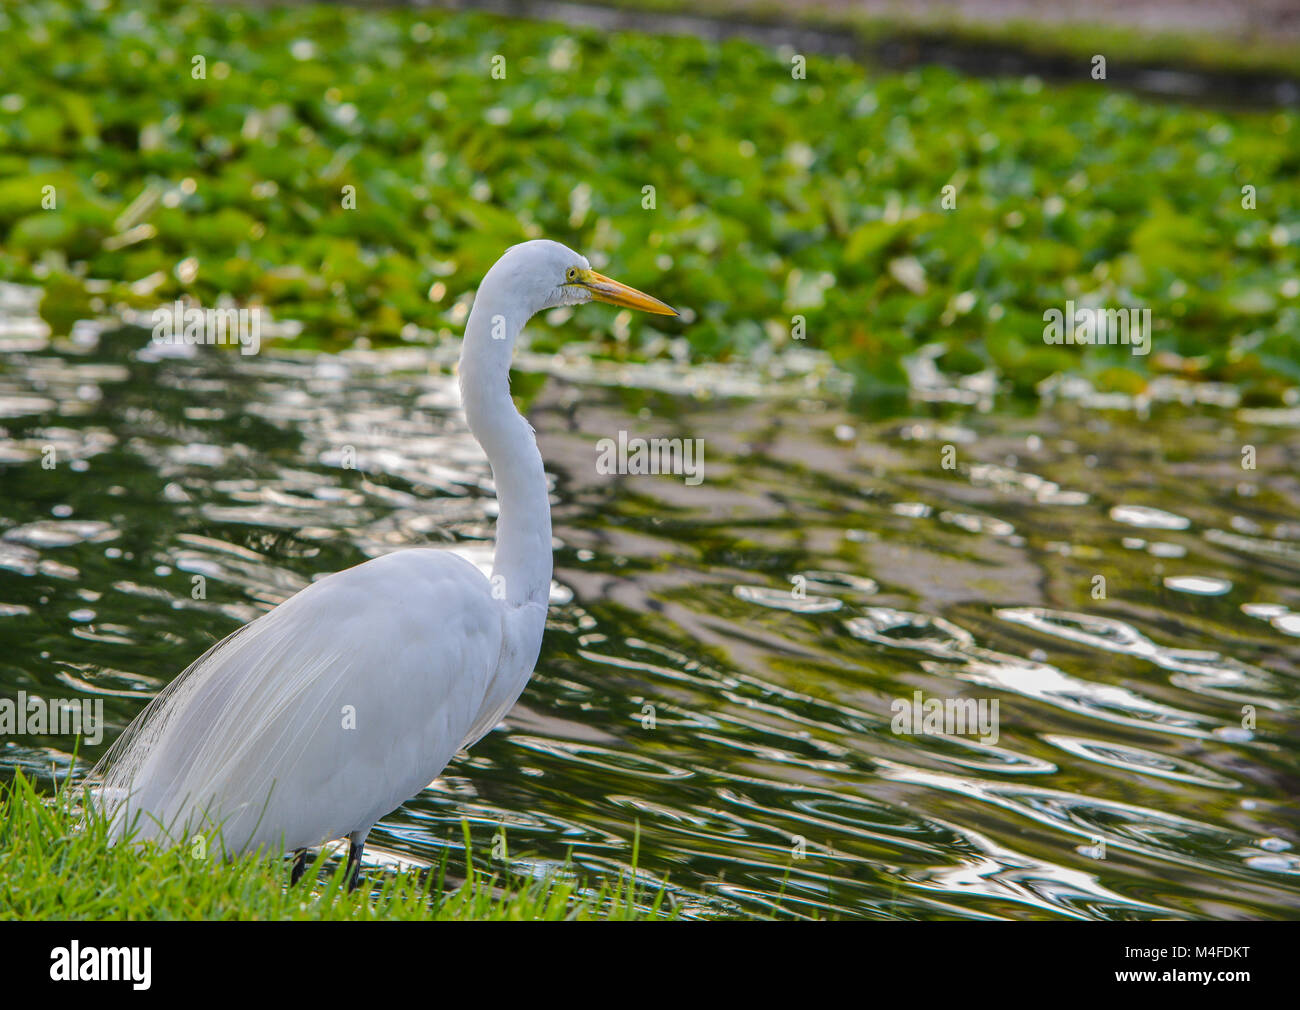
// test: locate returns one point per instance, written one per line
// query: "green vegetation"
(1074, 40)
(774, 197)
(57, 864)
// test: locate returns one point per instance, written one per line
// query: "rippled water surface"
(721, 661)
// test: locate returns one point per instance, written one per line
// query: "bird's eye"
(571, 274)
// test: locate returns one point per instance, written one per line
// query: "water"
(721, 660)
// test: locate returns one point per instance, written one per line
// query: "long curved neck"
(522, 564)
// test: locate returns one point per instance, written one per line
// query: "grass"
(56, 863)
(773, 197)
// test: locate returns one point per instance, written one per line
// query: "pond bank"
(1195, 64)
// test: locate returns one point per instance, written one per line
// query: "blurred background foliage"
(774, 197)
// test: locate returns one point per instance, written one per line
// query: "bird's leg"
(354, 862)
(299, 865)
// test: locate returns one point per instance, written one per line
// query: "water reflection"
(722, 661)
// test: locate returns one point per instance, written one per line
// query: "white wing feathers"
(318, 718)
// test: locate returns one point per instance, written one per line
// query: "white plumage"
(316, 719)
(339, 691)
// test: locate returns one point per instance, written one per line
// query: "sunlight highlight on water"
(723, 663)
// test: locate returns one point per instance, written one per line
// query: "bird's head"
(543, 274)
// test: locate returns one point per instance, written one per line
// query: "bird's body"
(334, 708)
(378, 703)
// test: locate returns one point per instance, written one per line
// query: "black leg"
(354, 863)
(299, 865)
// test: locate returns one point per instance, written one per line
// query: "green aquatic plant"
(358, 170)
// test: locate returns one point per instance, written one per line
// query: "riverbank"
(56, 865)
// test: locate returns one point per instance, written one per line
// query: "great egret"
(331, 710)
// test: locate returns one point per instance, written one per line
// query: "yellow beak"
(605, 289)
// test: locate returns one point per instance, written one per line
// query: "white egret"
(326, 713)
